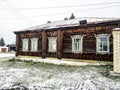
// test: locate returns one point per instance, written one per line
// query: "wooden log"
(44, 44)
(17, 44)
(59, 44)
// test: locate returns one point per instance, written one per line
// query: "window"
(52, 44)
(34, 44)
(77, 43)
(103, 43)
(25, 44)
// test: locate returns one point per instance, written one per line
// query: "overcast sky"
(21, 14)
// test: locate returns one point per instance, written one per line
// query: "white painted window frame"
(50, 41)
(34, 44)
(97, 43)
(25, 43)
(80, 50)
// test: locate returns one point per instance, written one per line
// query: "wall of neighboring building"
(3, 49)
(116, 40)
(64, 42)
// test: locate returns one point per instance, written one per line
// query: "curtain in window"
(25, 44)
(34, 44)
(52, 44)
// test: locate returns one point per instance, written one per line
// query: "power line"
(4, 27)
(65, 6)
(2, 1)
(19, 13)
(84, 10)
(99, 8)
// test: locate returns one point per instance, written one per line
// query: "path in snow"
(6, 55)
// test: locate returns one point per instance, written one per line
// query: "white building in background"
(3, 49)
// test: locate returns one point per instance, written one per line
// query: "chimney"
(66, 18)
(82, 22)
(48, 21)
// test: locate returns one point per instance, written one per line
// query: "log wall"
(64, 42)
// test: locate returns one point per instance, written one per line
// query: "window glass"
(52, 44)
(103, 43)
(76, 43)
(25, 44)
(34, 44)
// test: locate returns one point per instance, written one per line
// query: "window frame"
(97, 43)
(25, 45)
(74, 37)
(50, 41)
(34, 41)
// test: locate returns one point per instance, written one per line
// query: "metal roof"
(70, 22)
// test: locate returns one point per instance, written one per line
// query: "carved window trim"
(78, 41)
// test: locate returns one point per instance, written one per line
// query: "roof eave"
(68, 27)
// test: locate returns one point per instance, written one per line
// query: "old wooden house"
(75, 38)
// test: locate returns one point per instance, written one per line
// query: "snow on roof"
(70, 22)
(116, 29)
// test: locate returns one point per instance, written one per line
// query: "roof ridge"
(70, 22)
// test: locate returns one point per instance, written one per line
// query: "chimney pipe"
(82, 22)
(48, 21)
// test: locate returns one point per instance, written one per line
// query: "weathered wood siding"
(29, 35)
(64, 42)
(89, 43)
(51, 34)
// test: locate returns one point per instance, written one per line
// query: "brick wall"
(116, 49)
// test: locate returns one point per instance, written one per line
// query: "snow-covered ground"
(38, 76)
(7, 55)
